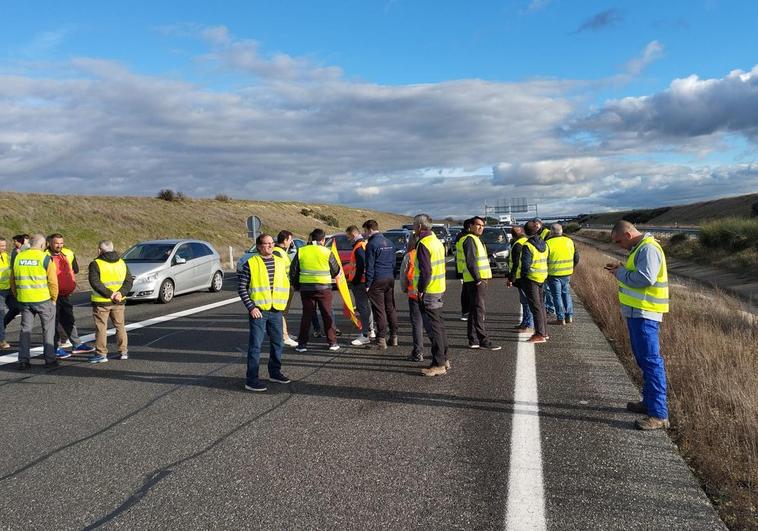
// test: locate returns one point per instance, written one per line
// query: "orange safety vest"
(412, 293)
(350, 266)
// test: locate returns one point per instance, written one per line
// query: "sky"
(404, 106)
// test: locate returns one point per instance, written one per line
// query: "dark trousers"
(534, 293)
(435, 329)
(465, 305)
(417, 326)
(64, 320)
(382, 297)
(13, 309)
(322, 298)
(477, 334)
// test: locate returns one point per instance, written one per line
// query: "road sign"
(253, 226)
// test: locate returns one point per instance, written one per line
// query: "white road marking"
(37, 351)
(526, 496)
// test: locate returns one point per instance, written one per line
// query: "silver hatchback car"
(164, 268)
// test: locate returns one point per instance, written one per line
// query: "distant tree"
(167, 195)
(223, 197)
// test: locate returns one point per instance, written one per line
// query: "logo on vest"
(28, 262)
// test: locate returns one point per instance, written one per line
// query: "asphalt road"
(359, 440)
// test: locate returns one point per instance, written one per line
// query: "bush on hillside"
(643, 216)
(222, 197)
(166, 194)
(329, 219)
(678, 238)
(571, 228)
(731, 234)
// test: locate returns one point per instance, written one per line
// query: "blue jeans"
(527, 319)
(643, 334)
(3, 310)
(270, 323)
(547, 299)
(559, 289)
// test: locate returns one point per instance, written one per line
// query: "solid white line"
(37, 351)
(526, 496)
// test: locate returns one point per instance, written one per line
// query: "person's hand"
(482, 282)
(508, 284)
(255, 313)
(117, 297)
(612, 267)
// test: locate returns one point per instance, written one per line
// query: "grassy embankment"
(84, 220)
(709, 346)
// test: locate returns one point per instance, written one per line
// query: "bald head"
(37, 241)
(625, 234)
(556, 229)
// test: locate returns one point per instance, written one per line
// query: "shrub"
(731, 234)
(643, 216)
(306, 212)
(328, 219)
(571, 228)
(223, 197)
(678, 238)
(167, 194)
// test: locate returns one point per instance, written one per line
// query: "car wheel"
(217, 282)
(166, 292)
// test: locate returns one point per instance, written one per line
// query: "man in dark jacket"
(380, 283)
(531, 275)
(459, 272)
(111, 281)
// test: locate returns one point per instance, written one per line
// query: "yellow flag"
(347, 301)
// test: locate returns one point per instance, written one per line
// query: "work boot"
(434, 371)
(558, 322)
(393, 341)
(636, 407)
(381, 343)
(651, 423)
(569, 318)
(536, 338)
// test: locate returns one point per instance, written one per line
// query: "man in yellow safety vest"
(562, 258)
(530, 275)
(643, 292)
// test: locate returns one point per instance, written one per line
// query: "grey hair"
(105, 246)
(37, 241)
(557, 229)
(422, 221)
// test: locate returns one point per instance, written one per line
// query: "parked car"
(297, 243)
(344, 247)
(164, 268)
(455, 230)
(495, 239)
(400, 239)
(444, 236)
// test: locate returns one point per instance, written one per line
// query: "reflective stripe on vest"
(482, 260)
(30, 276)
(412, 293)
(538, 270)
(314, 264)
(653, 298)
(5, 272)
(560, 258)
(263, 295)
(520, 241)
(349, 267)
(112, 276)
(436, 250)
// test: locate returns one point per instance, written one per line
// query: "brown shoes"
(4, 345)
(434, 371)
(536, 338)
(636, 407)
(651, 423)
(381, 343)
(558, 322)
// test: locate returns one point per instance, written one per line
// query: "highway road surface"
(524, 438)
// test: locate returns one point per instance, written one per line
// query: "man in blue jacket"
(380, 283)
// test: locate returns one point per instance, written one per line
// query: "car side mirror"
(179, 260)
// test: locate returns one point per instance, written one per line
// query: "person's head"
(318, 236)
(517, 231)
(370, 226)
(3, 245)
(538, 221)
(467, 223)
(284, 239)
(353, 233)
(625, 234)
(19, 240)
(55, 243)
(531, 228)
(265, 245)
(37, 241)
(556, 229)
(104, 246)
(477, 226)
(422, 222)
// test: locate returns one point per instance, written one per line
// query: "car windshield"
(398, 239)
(440, 232)
(149, 252)
(493, 235)
(454, 232)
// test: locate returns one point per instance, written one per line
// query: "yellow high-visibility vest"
(544, 233)
(560, 258)
(538, 270)
(436, 284)
(653, 298)
(262, 293)
(520, 241)
(68, 253)
(482, 260)
(30, 276)
(112, 275)
(314, 264)
(5, 272)
(281, 253)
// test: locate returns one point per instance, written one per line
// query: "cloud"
(600, 21)
(652, 52)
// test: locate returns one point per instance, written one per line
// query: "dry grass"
(84, 220)
(709, 345)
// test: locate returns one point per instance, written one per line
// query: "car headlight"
(502, 254)
(152, 277)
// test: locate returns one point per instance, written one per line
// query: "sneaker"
(65, 344)
(52, 364)
(334, 346)
(360, 340)
(62, 354)
(536, 338)
(473, 345)
(372, 334)
(558, 322)
(279, 378)
(4, 345)
(636, 407)
(448, 365)
(492, 347)
(290, 342)
(83, 348)
(464, 317)
(24, 366)
(123, 356)
(301, 348)
(338, 332)
(651, 423)
(257, 387)
(393, 341)
(97, 359)
(569, 318)
(434, 371)
(415, 357)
